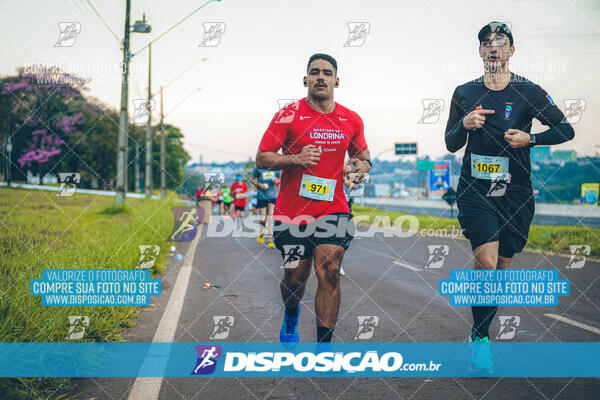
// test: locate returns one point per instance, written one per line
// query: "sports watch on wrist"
(369, 161)
(531, 139)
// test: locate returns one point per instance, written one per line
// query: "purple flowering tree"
(45, 105)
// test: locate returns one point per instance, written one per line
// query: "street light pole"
(121, 189)
(148, 175)
(137, 168)
(8, 172)
(163, 150)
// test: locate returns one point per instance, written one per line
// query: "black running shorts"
(336, 228)
(486, 219)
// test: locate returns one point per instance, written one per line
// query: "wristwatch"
(531, 139)
(369, 161)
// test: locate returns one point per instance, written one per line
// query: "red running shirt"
(238, 192)
(336, 133)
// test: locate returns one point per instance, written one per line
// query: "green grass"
(547, 238)
(43, 231)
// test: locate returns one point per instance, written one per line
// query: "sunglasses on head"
(495, 40)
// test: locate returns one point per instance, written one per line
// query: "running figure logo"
(432, 109)
(366, 326)
(574, 108)
(223, 323)
(437, 255)
(213, 180)
(286, 114)
(148, 255)
(207, 362)
(68, 183)
(212, 34)
(187, 220)
(508, 327)
(141, 111)
(68, 33)
(77, 325)
(357, 33)
(498, 185)
(579, 252)
(292, 255)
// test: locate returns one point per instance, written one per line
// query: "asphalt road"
(385, 278)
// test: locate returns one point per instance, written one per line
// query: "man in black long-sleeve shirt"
(493, 116)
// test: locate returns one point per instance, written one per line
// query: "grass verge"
(43, 231)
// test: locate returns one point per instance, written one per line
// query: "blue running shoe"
(481, 357)
(288, 335)
(324, 347)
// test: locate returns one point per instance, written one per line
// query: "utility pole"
(148, 174)
(139, 27)
(163, 150)
(8, 158)
(121, 191)
(137, 168)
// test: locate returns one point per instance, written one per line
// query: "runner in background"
(227, 200)
(266, 183)
(239, 191)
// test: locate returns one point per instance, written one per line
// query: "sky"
(413, 51)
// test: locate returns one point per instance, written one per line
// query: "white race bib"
(317, 188)
(488, 167)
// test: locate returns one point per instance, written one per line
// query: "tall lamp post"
(139, 27)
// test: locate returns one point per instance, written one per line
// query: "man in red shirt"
(314, 134)
(239, 190)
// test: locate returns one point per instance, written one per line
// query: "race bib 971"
(317, 188)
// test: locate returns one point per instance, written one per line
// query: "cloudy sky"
(411, 52)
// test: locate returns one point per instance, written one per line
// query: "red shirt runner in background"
(336, 133)
(238, 192)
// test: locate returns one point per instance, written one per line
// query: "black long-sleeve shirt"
(515, 107)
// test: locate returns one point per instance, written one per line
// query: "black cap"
(495, 27)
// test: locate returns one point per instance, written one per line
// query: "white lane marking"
(574, 323)
(407, 266)
(400, 263)
(149, 388)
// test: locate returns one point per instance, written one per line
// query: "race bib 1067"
(486, 167)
